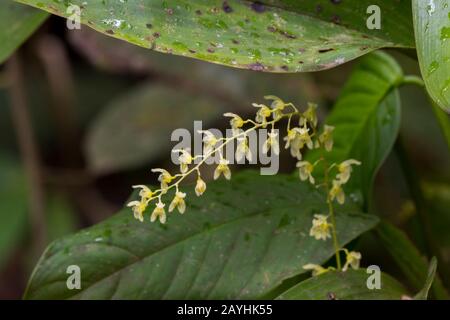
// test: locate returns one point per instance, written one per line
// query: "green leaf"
(271, 36)
(17, 23)
(240, 87)
(240, 240)
(13, 206)
(366, 118)
(350, 285)
(432, 31)
(423, 294)
(437, 196)
(408, 258)
(141, 123)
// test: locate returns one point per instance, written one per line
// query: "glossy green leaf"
(239, 240)
(13, 206)
(350, 285)
(141, 123)
(432, 31)
(366, 118)
(408, 258)
(271, 36)
(17, 23)
(240, 87)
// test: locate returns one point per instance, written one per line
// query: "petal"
(340, 197)
(345, 267)
(140, 186)
(230, 114)
(173, 204)
(276, 148)
(227, 173)
(248, 155)
(162, 218)
(153, 216)
(328, 145)
(303, 175)
(239, 153)
(182, 206)
(266, 147)
(217, 173)
(133, 203)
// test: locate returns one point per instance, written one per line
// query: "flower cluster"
(297, 139)
(322, 229)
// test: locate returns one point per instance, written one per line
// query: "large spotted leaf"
(272, 36)
(239, 240)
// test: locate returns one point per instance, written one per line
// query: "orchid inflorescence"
(298, 137)
(321, 228)
(267, 116)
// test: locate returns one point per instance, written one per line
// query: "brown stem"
(56, 64)
(29, 152)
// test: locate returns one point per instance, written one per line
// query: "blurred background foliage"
(102, 112)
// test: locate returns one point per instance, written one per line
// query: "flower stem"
(337, 247)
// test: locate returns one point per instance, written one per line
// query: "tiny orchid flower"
(337, 192)
(304, 137)
(353, 260)
(138, 208)
(236, 121)
(326, 138)
(200, 187)
(293, 142)
(145, 193)
(164, 178)
(243, 150)
(305, 170)
(209, 141)
(320, 229)
(310, 115)
(178, 202)
(185, 159)
(345, 170)
(277, 105)
(263, 113)
(159, 213)
(271, 143)
(222, 168)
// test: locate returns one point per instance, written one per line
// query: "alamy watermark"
(374, 20)
(74, 17)
(374, 280)
(73, 281)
